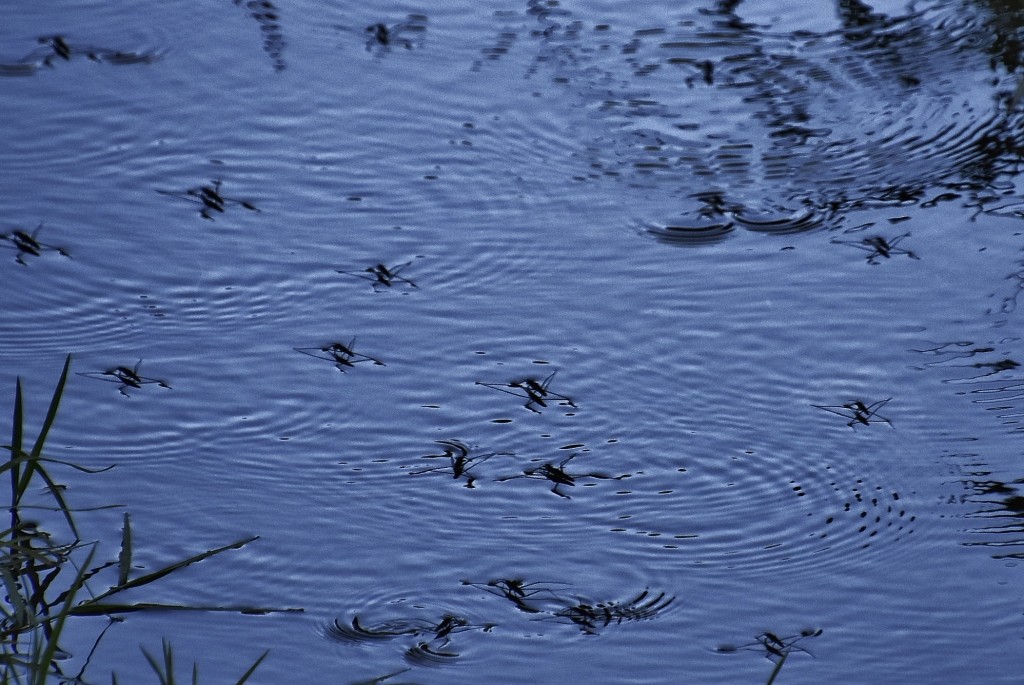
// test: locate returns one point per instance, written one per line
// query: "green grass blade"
(16, 436)
(51, 413)
(252, 669)
(19, 609)
(34, 466)
(380, 679)
(155, 665)
(124, 559)
(97, 608)
(169, 661)
(76, 467)
(42, 662)
(156, 575)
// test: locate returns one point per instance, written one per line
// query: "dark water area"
(538, 342)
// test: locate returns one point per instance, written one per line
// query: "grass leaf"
(97, 608)
(55, 491)
(16, 436)
(252, 669)
(155, 665)
(42, 662)
(51, 413)
(156, 575)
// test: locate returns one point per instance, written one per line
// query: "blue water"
(706, 221)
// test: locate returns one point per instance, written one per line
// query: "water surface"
(691, 226)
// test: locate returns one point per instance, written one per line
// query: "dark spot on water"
(268, 17)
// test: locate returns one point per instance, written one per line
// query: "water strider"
(341, 354)
(126, 377)
(536, 393)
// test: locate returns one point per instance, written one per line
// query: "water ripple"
(806, 120)
(756, 515)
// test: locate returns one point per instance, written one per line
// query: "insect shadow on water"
(459, 461)
(536, 393)
(776, 649)
(431, 639)
(210, 197)
(556, 473)
(382, 276)
(343, 356)
(57, 48)
(858, 412)
(28, 244)
(879, 247)
(128, 377)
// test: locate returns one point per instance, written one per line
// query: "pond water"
(539, 342)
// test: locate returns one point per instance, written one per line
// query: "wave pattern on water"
(805, 518)
(989, 498)
(677, 447)
(786, 128)
(989, 506)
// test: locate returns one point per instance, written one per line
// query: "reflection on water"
(268, 16)
(708, 460)
(991, 510)
(55, 49)
(822, 113)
